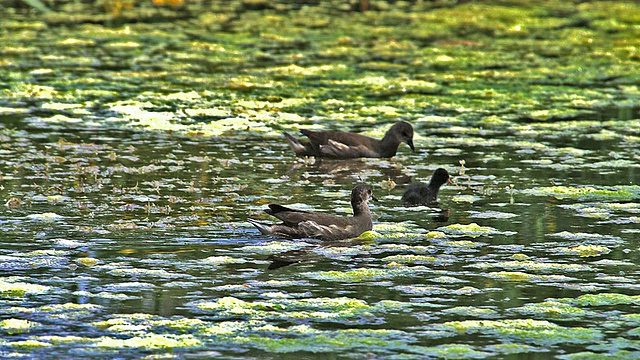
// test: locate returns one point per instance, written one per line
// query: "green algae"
(512, 348)
(48, 216)
(140, 272)
(530, 265)
(319, 309)
(537, 332)
(423, 289)
(553, 310)
(29, 344)
(602, 299)
(378, 235)
(450, 351)
(63, 340)
(589, 355)
(465, 198)
(21, 289)
(621, 192)
(320, 341)
(413, 259)
(584, 250)
(471, 311)
(589, 237)
(366, 274)
(17, 326)
(150, 342)
(519, 276)
(274, 247)
(472, 230)
(221, 260)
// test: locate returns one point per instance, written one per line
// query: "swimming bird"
(421, 194)
(346, 145)
(306, 224)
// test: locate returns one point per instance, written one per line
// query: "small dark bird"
(306, 224)
(421, 194)
(346, 145)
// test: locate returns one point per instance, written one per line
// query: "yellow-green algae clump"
(602, 299)
(20, 289)
(530, 265)
(585, 250)
(539, 332)
(151, 342)
(17, 326)
(586, 192)
(326, 341)
(392, 269)
(313, 308)
(523, 276)
(554, 310)
(472, 230)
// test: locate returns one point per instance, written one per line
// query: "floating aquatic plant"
(473, 230)
(602, 299)
(321, 309)
(537, 332)
(584, 250)
(151, 342)
(366, 274)
(553, 310)
(530, 265)
(17, 326)
(20, 289)
(620, 192)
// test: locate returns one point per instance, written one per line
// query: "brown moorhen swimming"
(306, 224)
(421, 194)
(346, 145)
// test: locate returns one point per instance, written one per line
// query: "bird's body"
(421, 194)
(346, 145)
(307, 224)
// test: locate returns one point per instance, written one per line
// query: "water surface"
(127, 181)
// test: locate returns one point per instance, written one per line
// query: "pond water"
(131, 158)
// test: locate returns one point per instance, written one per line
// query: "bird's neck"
(388, 146)
(360, 208)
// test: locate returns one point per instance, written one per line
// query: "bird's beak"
(374, 198)
(449, 181)
(410, 143)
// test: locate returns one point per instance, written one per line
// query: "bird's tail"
(296, 145)
(264, 228)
